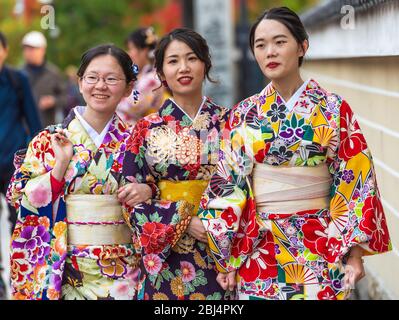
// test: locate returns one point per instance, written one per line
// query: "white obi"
(96, 220)
(281, 189)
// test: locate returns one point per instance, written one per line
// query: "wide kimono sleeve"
(30, 192)
(157, 224)
(227, 207)
(356, 213)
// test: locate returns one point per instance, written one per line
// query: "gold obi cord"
(189, 190)
(96, 220)
(280, 189)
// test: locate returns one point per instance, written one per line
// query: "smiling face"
(276, 50)
(100, 97)
(183, 71)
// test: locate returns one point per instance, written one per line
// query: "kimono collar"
(204, 98)
(309, 84)
(97, 138)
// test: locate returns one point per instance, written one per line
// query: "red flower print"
(20, 266)
(116, 166)
(229, 216)
(248, 231)
(374, 224)
(326, 294)
(260, 156)
(193, 169)
(169, 118)
(42, 144)
(262, 263)
(352, 139)
(32, 221)
(137, 137)
(315, 233)
(156, 236)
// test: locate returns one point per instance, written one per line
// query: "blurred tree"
(256, 7)
(83, 24)
(80, 24)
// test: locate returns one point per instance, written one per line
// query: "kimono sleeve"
(227, 207)
(30, 192)
(357, 215)
(30, 185)
(157, 224)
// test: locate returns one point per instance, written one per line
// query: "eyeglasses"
(93, 79)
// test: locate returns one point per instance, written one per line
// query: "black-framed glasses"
(109, 80)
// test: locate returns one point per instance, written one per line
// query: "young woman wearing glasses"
(71, 241)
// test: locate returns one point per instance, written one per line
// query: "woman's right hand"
(227, 280)
(197, 230)
(63, 152)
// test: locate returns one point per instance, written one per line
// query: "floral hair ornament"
(135, 69)
(150, 36)
(135, 96)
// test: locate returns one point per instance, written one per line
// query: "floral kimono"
(179, 154)
(43, 263)
(298, 254)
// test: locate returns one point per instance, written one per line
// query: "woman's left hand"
(354, 271)
(134, 193)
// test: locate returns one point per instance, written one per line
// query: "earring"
(164, 83)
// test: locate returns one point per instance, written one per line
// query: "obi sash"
(96, 220)
(189, 190)
(281, 189)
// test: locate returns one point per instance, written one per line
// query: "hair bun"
(150, 36)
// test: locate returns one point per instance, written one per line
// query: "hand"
(227, 280)
(63, 152)
(197, 230)
(134, 193)
(46, 102)
(354, 271)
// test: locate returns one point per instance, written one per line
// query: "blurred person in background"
(74, 97)
(48, 85)
(149, 94)
(19, 121)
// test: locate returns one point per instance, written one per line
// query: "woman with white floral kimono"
(294, 203)
(71, 240)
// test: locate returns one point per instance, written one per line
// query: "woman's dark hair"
(120, 55)
(192, 39)
(3, 40)
(288, 18)
(143, 38)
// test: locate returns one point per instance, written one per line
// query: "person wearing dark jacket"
(48, 85)
(19, 118)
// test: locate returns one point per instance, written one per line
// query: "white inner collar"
(199, 109)
(294, 98)
(97, 138)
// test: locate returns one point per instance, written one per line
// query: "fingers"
(222, 280)
(231, 277)
(132, 202)
(129, 195)
(59, 138)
